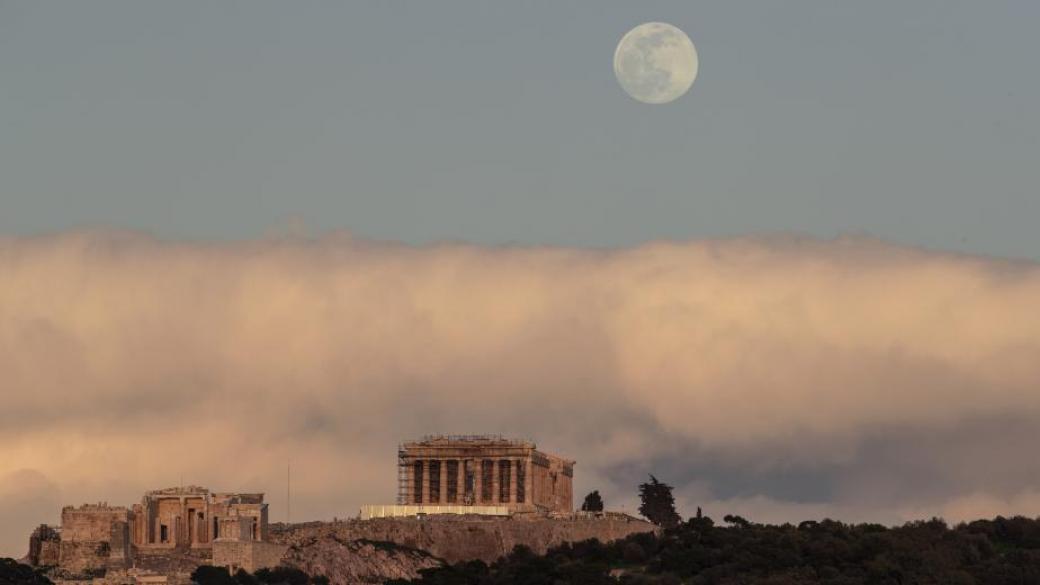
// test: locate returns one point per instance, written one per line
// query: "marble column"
(460, 478)
(495, 478)
(528, 480)
(182, 525)
(443, 482)
(405, 496)
(426, 482)
(513, 465)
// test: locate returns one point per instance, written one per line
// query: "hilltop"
(1003, 551)
(359, 551)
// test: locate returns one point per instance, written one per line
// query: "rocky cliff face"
(356, 561)
(371, 551)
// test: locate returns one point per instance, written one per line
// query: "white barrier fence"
(395, 511)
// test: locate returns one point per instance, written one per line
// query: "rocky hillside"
(350, 562)
(463, 538)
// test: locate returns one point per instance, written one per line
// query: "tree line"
(1002, 551)
(697, 551)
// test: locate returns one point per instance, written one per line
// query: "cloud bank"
(781, 378)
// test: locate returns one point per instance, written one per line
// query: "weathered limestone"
(44, 547)
(460, 538)
(484, 470)
(170, 531)
(250, 555)
(357, 562)
(94, 538)
(193, 517)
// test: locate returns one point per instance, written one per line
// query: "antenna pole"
(288, 492)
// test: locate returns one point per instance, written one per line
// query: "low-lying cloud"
(782, 378)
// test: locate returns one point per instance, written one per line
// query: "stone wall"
(176, 564)
(84, 559)
(552, 479)
(90, 523)
(88, 534)
(464, 538)
(44, 547)
(248, 555)
(119, 546)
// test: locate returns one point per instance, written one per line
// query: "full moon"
(655, 63)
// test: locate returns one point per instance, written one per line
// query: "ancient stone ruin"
(44, 547)
(170, 532)
(459, 498)
(194, 517)
(478, 474)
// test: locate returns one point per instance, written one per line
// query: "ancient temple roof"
(190, 490)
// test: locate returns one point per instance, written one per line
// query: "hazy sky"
(888, 375)
(499, 122)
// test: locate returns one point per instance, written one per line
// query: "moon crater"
(655, 63)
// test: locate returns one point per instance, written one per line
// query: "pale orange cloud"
(128, 363)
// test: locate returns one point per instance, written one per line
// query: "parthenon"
(484, 470)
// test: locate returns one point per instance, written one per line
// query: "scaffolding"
(474, 459)
(403, 487)
(487, 438)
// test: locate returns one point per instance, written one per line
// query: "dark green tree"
(735, 520)
(242, 577)
(658, 505)
(282, 576)
(593, 502)
(208, 575)
(14, 573)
